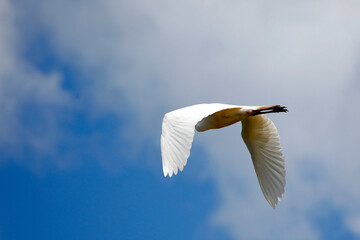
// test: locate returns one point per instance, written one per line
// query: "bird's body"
(259, 133)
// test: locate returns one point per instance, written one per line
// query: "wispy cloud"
(25, 90)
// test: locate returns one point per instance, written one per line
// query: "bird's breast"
(221, 119)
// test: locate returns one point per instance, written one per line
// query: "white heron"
(259, 133)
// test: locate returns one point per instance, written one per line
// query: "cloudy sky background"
(84, 86)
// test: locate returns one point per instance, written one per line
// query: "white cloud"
(23, 88)
(154, 56)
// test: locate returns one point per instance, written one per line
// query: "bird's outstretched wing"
(178, 129)
(262, 139)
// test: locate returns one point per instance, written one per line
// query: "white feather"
(262, 139)
(178, 129)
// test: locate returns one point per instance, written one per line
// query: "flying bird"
(258, 132)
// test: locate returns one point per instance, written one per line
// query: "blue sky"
(84, 86)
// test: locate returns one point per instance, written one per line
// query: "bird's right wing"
(178, 129)
(262, 139)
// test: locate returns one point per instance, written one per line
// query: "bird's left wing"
(178, 129)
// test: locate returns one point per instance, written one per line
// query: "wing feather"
(262, 139)
(178, 129)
